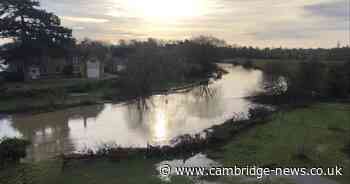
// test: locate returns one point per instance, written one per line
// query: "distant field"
(260, 63)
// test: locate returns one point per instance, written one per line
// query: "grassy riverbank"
(92, 172)
(54, 94)
(315, 136)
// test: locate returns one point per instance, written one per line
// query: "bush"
(235, 63)
(339, 84)
(68, 70)
(13, 76)
(12, 150)
(347, 67)
(248, 64)
(2, 80)
(302, 152)
(347, 149)
(309, 82)
(259, 112)
(312, 76)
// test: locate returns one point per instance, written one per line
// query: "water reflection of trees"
(136, 112)
(142, 111)
(50, 132)
(206, 102)
(205, 92)
(201, 101)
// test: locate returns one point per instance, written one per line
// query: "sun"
(166, 9)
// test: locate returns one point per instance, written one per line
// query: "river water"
(157, 121)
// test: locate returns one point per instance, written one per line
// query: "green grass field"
(319, 133)
(89, 172)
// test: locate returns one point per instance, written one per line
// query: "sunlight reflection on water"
(126, 124)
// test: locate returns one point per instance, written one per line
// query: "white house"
(94, 69)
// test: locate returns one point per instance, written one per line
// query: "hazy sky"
(287, 23)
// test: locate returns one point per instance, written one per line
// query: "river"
(156, 121)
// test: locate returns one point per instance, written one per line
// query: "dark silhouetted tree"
(338, 81)
(88, 49)
(309, 81)
(34, 31)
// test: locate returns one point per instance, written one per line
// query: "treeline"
(285, 53)
(153, 64)
(307, 81)
(226, 51)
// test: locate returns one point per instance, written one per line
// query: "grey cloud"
(282, 33)
(93, 9)
(332, 16)
(88, 18)
(76, 7)
(298, 29)
(104, 32)
(338, 8)
(319, 18)
(253, 20)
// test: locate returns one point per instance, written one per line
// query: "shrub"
(339, 85)
(311, 79)
(347, 149)
(235, 63)
(2, 80)
(259, 112)
(13, 76)
(12, 150)
(248, 64)
(68, 70)
(302, 152)
(347, 67)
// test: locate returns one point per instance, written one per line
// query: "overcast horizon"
(262, 23)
